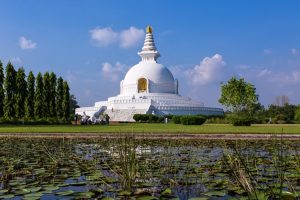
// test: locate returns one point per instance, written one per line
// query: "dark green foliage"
(30, 96)
(176, 119)
(59, 97)
(297, 114)
(1, 90)
(282, 114)
(241, 119)
(238, 95)
(73, 104)
(66, 101)
(47, 94)
(52, 95)
(192, 120)
(10, 89)
(21, 93)
(148, 118)
(39, 97)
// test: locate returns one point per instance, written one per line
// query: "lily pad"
(220, 193)
(166, 192)
(65, 193)
(7, 196)
(124, 193)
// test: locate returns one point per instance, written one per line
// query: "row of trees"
(28, 97)
(241, 101)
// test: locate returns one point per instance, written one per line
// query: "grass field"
(151, 128)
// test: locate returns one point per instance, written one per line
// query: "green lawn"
(150, 128)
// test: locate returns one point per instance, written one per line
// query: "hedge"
(192, 120)
(149, 118)
(189, 119)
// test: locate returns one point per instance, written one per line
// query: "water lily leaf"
(50, 188)
(124, 193)
(3, 191)
(166, 192)
(7, 196)
(22, 191)
(80, 183)
(35, 195)
(34, 189)
(220, 193)
(65, 193)
(84, 195)
(288, 195)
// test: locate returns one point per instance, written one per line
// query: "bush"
(192, 120)
(137, 117)
(147, 118)
(241, 120)
(297, 115)
(176, 119)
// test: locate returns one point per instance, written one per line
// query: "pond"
(145, 169)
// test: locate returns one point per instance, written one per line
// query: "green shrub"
(176, 119)
(297, 115)
(153, 118)
(241, 119)
(192, 120)
(147, 118)
(137, 117)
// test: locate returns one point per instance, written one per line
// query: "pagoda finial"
(148, 29)
(149, 52)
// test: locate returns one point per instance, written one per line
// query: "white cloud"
(26, 43)
(264, 72)
(112, 72)
(267, 51)
(294, 51)
(104, 36)
(130, 37)
(209, 70)
(125, 38)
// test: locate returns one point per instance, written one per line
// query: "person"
(107, 119)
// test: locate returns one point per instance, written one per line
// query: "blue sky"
(93, 43)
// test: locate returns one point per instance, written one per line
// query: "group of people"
(85, 120)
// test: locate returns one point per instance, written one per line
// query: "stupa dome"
(157, 78)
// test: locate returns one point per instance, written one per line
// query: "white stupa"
(148, 87)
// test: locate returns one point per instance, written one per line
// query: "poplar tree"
(39, 97)
(47, 94)
(1, 90)
(53, 94)
(66, 101)
(30, 96)
(10, 88)
(21, 93)
(59, 97)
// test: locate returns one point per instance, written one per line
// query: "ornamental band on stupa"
(148, 88)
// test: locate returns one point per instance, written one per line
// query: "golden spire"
(148, 29)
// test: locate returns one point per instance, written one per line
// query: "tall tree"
(21, 93)
(30, 96)
(10, 88)
(52, 94)
(1, 90)
(39, 97)
(59, 97)
(66, 101)
(47, 94)
(73, 104)
(239, 96)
